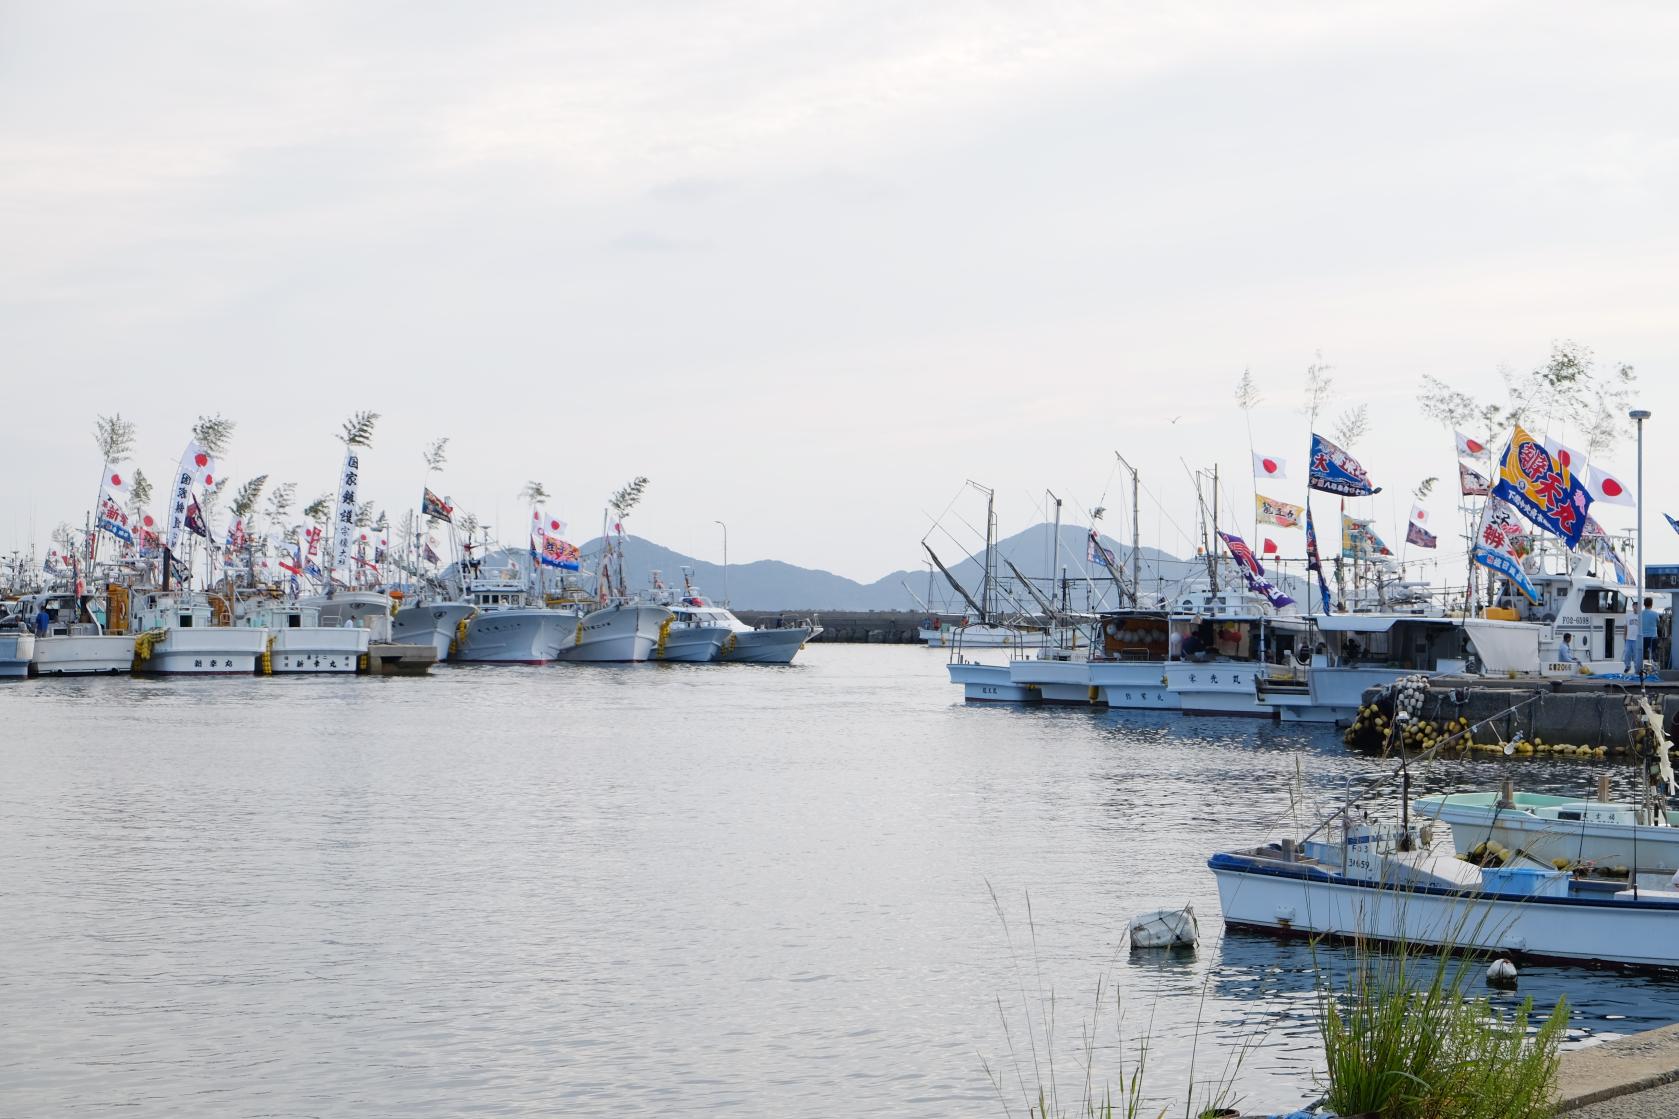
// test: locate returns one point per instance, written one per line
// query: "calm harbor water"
(661, 889)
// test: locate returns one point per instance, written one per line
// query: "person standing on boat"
(1565, 651)
(1631, 631)
(1649, 629)
(43, 622)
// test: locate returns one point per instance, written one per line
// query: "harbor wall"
(1544, 710)
(859, 627)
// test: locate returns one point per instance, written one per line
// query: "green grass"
(1403, 1039)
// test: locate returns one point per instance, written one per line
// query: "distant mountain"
(774, 585)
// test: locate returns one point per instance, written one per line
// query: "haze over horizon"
(810, 268)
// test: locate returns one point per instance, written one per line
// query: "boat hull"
(435, 624)
(1057, 681)
(767, 646)
(1256, 894)
(316, 649)
(692, 644)
(1217, 688)
(212, 651)
(84, 655)
(617, 634)
(1133, 685)
(1648, 849)
(989, 683)
(17, 650)
(529, 635)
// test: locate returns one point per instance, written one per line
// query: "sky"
(810, 267)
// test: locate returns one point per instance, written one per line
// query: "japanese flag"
(1419, 516)
(116, 486)
(198, 462)
(1469, 447)
(1563, 455)
(1606, 487)
(1269, 466)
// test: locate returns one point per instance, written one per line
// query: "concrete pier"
(1579, 711)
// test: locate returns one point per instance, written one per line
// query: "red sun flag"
(1468, 446)
(201, 460)
(1607, 488)
(1269, 466)
(116, 480)
(1269, 547)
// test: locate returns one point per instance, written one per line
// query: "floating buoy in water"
(1501, 973)
(1165, 928)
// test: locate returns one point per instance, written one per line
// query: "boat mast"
(1136, 559)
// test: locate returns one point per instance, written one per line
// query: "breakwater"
(1531, 710)
(856, 627)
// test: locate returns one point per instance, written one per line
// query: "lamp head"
(1639, 414)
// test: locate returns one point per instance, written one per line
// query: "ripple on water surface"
(661, 889)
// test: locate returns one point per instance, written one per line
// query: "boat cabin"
(1414, 642)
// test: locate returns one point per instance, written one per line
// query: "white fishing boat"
(1227, 643)
(299, 642)
(1575, 830)
(436, 623)
(191, 634)
(1387, 883)
(75, 641)
(696, 620)
(507, 627)
(1128, 665)
(17, 651)
(1518, 635)
(1356, 652)
(692, 637)
(618, 633)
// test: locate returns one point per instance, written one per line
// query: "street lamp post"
(1639, 415)
(726, 562)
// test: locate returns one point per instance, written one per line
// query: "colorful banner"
(1472, 482)
(1335, 471)
(113, 519)
(1595, 542)
(1095, 552)
(344, 520)
(1499, 546)
(1541, 489)
(1252, 573)
(1273, 512)
(1359, 540)
(1420, 537)
(194, 520)
(437, 508)
(1314, 562)
(558, 553)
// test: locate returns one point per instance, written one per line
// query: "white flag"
(1468, 447)
(1606, 487)
(344, 526)
(1419, 516)
(1269, 466)
(1563, 455)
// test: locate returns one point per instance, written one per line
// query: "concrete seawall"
(860, 627)
(1573, 712)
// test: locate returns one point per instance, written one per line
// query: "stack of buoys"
(1457, 735)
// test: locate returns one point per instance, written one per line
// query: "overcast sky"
(810, 266)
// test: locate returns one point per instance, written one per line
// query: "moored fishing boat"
(437, 623)
(1575, 830)
(17, 650)
(74, 641)
(620, 632)
(191, 634)
(507, 627)
(298, 639)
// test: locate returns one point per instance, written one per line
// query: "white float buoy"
(1501, 973)
(1165, 928)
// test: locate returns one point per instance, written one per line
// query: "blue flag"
(1252, 572)
(1333, 470)
(1544, 491)
(1671, 522)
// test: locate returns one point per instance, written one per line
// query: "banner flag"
(1471, 482)
(1335, 471)
(1274, 512)
(1252, 573)
(1542, 489)
(344, 520)
(1499, 546)
(437, 508)
(194, 520)
(1359, 540)
(1420, 536)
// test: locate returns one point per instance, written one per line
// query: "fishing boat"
(301, 640)
(191, 633)
(1356, 652)
(75, 642)
(436, 623)
(1576, 830)
(623, 632)
(509, 627)
(17, 650)
(1128, 666)
(1388, 883)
